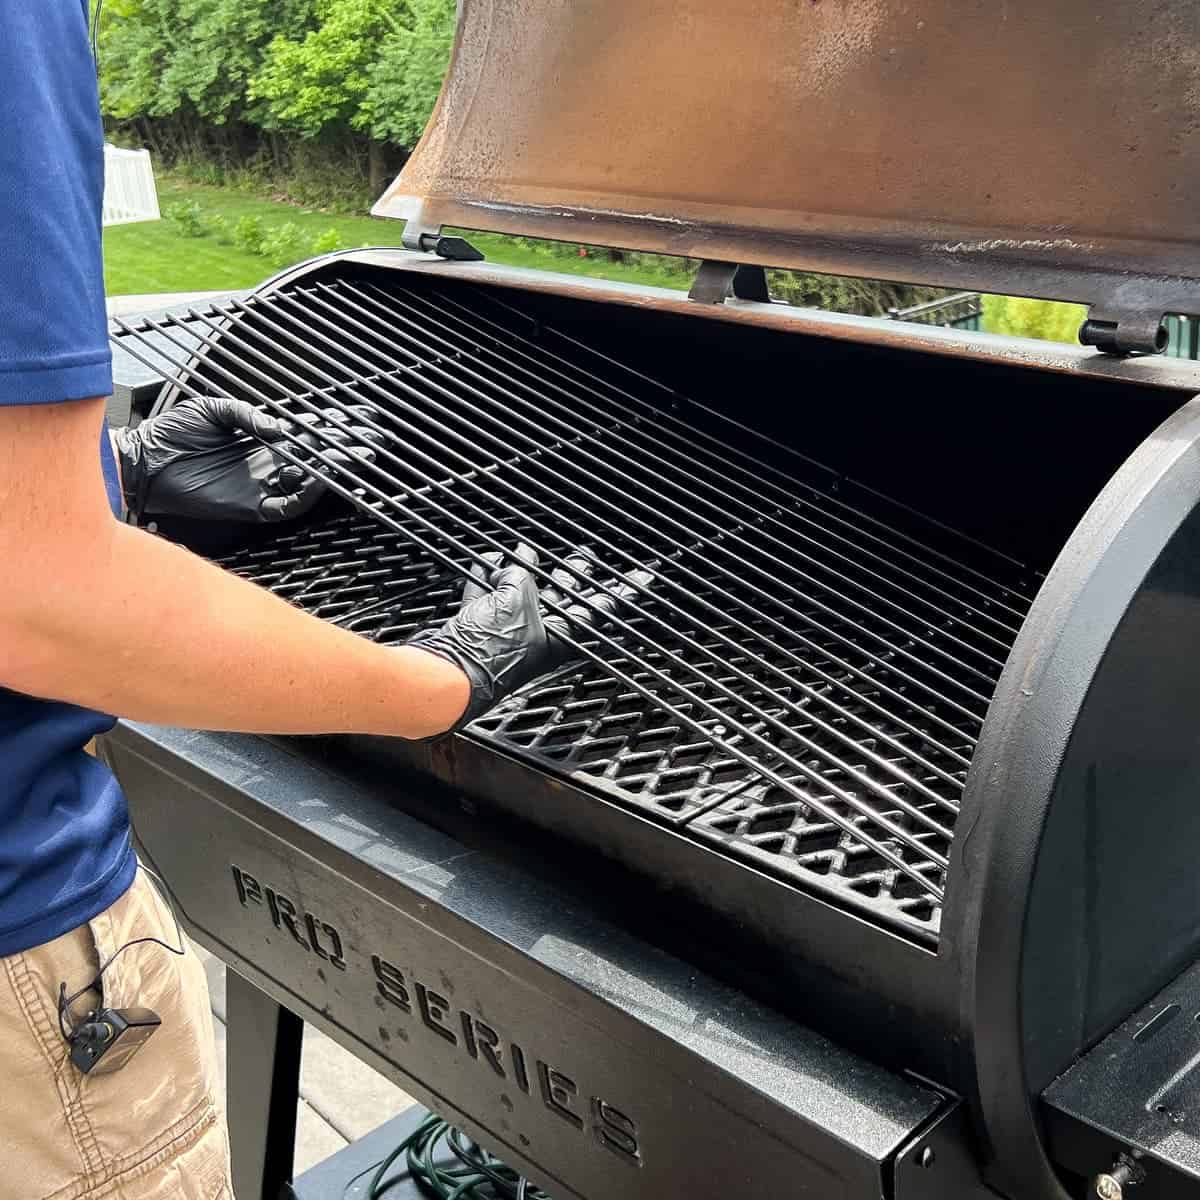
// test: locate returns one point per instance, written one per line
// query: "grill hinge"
(1127, 327)
(431, 240)
(716, 281)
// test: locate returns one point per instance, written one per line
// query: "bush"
(188, 218)
(284, 245)
(196, 168)
(1045, 319)
(222, 229)
(248, 234)
(328, 242)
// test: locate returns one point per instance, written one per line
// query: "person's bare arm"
(104, 615)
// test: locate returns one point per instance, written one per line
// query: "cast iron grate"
(583, 722)
(801, 686)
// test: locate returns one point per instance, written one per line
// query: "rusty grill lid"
(1046, 149)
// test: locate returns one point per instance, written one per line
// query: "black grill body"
(930, 788)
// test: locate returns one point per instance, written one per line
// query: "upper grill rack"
(802, 684)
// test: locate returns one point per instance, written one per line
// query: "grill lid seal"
(1049, 150)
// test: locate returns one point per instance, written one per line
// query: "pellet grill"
(856, 853)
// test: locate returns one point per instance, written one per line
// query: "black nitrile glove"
(501, 639)
(210, 459)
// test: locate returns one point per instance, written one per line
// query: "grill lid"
(1045, 149)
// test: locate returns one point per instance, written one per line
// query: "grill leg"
(263, 1059)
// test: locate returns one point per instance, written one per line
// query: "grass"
(157, 257)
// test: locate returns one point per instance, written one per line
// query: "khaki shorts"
(149, 1131)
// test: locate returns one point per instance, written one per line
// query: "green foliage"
(134, 52)
(866, 297)
(309, 83)
(1045, 319)
(202, 170)
(284, 244)
(188, 218)
(300, 98)
(248, 234)
(405, 78)
(192, 57)
(221, 228)
(328, 242)
(280, 244)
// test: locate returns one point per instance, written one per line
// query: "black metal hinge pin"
(456, 249)
(433, 241)
(1144, 336)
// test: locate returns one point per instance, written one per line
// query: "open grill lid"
(1048, 149)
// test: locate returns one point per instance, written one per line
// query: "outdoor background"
(275, 124)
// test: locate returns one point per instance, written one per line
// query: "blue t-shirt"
(65, 852)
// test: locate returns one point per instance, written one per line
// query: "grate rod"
(875, 682)
(230, 334)
(335, 481)
(702, 580)
(722, 450)
(783, 548)
(689, 479)
(755, 514)
(800, 711)
(772, 598)
(692, 438)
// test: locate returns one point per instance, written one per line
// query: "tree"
(866, 297)
(406, 77)
(160, 58)
(1045, 319)
(310, 83)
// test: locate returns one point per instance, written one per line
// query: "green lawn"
(157, 257)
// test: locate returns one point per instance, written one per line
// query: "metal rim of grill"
(802, 684)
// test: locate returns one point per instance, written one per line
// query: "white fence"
(129, 192)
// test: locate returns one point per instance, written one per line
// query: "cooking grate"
(802, 684)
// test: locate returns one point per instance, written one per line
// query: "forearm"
(138, 627)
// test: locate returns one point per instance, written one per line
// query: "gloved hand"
(501, 639)
(206, 458)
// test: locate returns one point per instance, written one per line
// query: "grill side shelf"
(1137, 1095)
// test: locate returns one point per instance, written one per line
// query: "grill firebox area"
(802, 683)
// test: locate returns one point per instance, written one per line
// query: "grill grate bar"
(696, 444)
(784, 554)
(778, 702)
(699, 578)
(889, 645)
(547, 409)
(354, 488)
(686, 480)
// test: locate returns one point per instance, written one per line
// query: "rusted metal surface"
(1042, 149)
(1179, 374)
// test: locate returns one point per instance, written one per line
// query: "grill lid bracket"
(717, 281)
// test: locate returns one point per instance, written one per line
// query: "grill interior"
(801, 685)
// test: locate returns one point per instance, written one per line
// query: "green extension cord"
(480, 1176)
